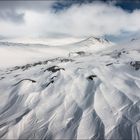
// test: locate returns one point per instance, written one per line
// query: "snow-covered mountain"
(15, 53)
(92, 95)
(90, 44)
(94, 41)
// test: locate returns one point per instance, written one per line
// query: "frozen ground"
(85, 90)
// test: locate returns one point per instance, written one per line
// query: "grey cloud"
(14, 10)
(30, 5)
(12, 15)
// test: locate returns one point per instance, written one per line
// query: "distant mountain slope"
(13, 44)
(15, 53)
(90, 41)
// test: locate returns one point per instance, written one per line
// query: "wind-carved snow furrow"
(16, 118)
(121, 105)
(11, 100)
(117, 83)
(104, 111)
(91, 126)
(121, 115)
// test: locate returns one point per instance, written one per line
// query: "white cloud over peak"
(95, 19)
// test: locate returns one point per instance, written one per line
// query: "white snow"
(84, 90)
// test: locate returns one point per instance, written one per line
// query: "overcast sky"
(69, 18)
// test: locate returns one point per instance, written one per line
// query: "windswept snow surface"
(15, 53)
(85, 95)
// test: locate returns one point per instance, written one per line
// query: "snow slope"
(15, 53)
(90, 95)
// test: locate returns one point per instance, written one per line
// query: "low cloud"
(12, 16)
(96, 19)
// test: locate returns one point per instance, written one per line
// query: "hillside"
(93, 94)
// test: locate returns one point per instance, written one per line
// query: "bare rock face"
(73, 54)
(135, 64)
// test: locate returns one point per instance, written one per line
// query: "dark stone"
(109, 64)
(135, 64)
(33, 81)
(91, 77)
(81, 53)
(54, 69)
(2, 78)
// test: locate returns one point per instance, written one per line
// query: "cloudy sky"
(63, 18)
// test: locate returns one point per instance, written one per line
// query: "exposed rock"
(91, 77)
(135, 64)
(33, 81)
(54, 69)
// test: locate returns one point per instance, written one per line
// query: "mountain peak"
(97, 39)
